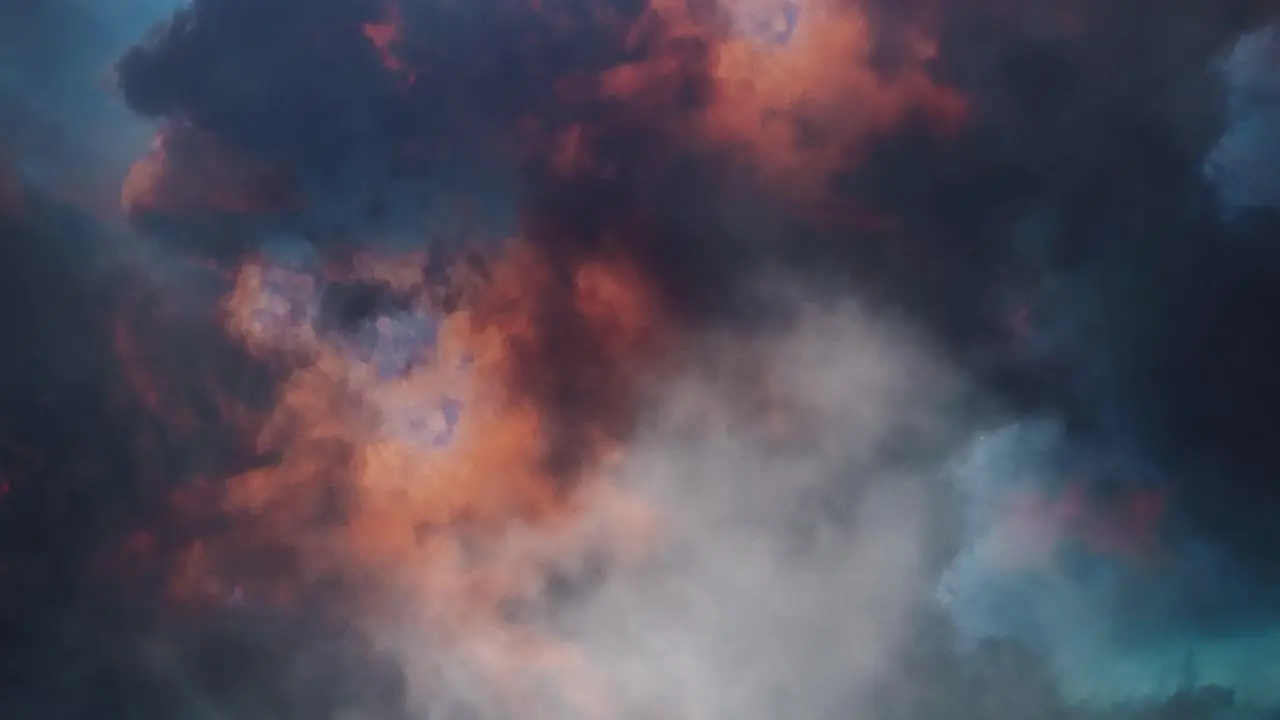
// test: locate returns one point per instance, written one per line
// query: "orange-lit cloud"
(434, 480)
(189, 173)
(384, 35)
(797, 93)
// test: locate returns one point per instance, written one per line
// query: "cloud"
(1115, 628)
(783, 551)
(1240, 162)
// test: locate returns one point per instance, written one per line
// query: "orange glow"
(377, 481)
(191, 173)
(436, 481)
(799, 109)
(802, 107)
(610, 298)
(384, 35)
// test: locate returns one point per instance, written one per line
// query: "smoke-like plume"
(774, 562)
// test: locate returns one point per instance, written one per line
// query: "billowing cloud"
(455, 351)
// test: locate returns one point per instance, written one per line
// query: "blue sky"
(56, 85)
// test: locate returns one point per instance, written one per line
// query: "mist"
(785, 543)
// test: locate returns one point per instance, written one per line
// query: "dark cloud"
(1092, 241)
(1149, 305)
(1066, 242)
